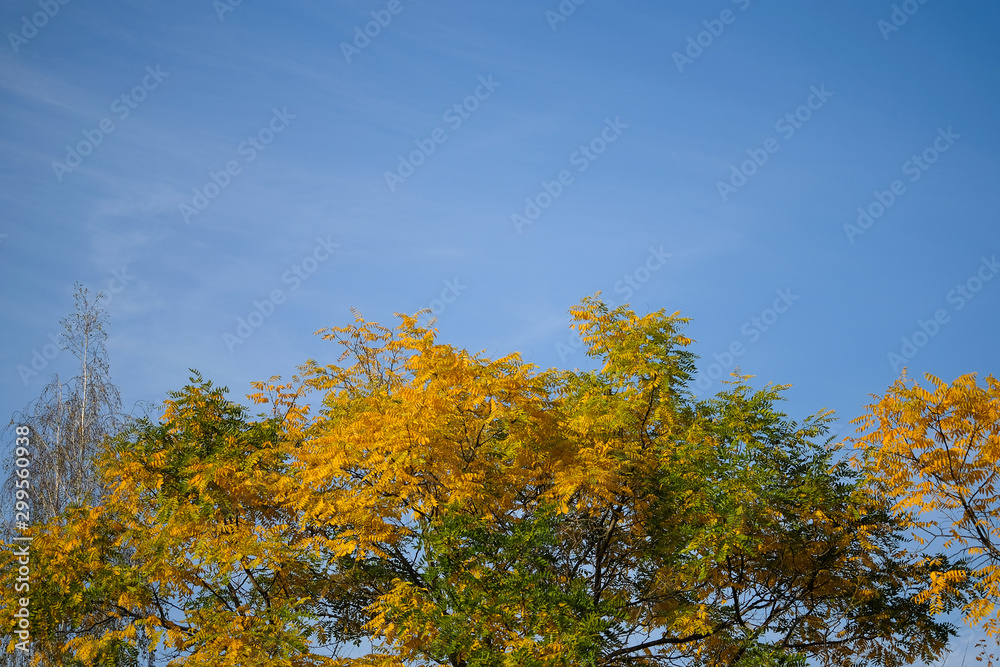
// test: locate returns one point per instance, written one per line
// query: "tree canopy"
(438, 507)
(936, 453)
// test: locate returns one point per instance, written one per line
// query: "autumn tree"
(935, 452)
(665, 529)
(187, 546)
(437, 507)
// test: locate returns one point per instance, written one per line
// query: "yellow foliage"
(450, 508)
(936, 455)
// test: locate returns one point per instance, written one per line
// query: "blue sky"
(707, 157)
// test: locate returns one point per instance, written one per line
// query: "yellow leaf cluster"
(936, 454)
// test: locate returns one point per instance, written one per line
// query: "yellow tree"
(186, 547)
(494, 514)
(935, 452)
(446, 508)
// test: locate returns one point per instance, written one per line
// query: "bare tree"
(69, 421)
